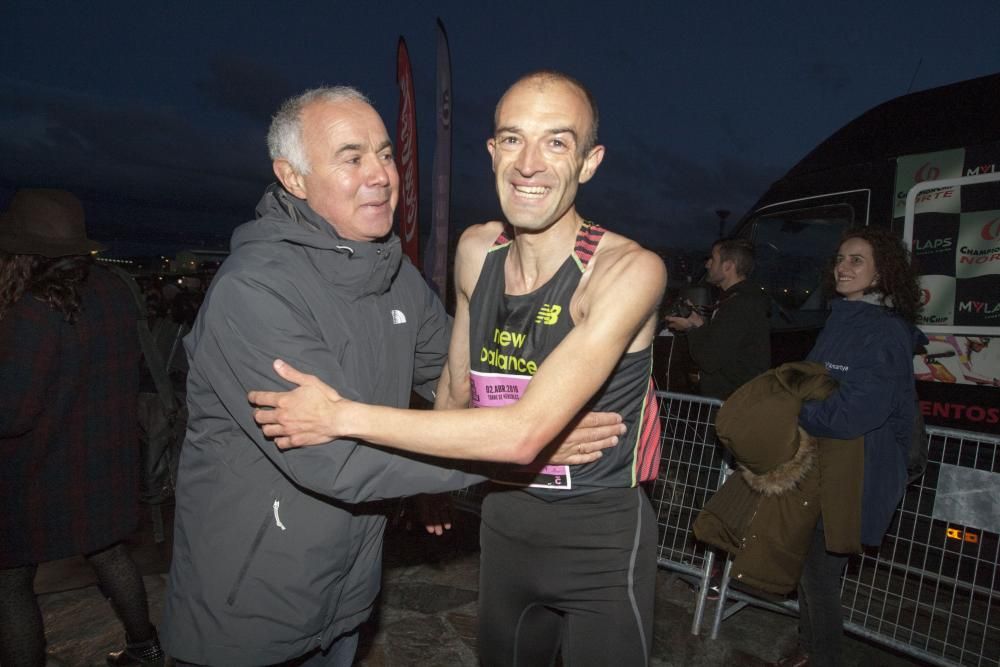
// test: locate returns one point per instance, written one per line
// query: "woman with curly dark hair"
(895, 278)
(867, 344)
(69, 359)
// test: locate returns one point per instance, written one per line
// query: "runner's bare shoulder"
(619, 258)
(473, 245)
(622, 274)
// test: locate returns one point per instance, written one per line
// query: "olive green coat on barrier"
(765, 515)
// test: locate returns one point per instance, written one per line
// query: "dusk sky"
(155, 113)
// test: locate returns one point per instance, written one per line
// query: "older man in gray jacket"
(275, 554)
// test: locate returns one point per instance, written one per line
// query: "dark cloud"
(119, 152)
(251, 88)
(829, 77)
(161, 121)
(665, 199)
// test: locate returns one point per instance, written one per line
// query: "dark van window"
(793, 248)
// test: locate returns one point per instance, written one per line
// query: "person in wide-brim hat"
(45, 222)
(69, 486)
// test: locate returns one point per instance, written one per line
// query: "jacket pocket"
(245, 566)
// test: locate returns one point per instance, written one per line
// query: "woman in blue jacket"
(867, 345)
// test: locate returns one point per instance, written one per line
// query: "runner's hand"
(307, 415)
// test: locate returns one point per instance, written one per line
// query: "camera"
(692, 299)
(679, 308)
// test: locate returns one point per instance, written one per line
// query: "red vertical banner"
(406, 157)
(441, 211)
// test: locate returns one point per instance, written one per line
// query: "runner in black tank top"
(568, 560)
(510, 337)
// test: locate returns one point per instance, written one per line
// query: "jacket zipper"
(258, 538)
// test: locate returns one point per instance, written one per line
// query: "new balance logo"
(548, 314)
(398, 317)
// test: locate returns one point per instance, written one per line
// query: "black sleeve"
(712, 343)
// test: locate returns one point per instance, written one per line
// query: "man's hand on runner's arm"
(584, 438)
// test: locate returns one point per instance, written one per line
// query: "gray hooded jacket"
(276, 553)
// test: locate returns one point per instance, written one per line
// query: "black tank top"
(510, 337)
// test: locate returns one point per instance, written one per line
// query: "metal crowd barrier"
(692, 468)
(929, 590)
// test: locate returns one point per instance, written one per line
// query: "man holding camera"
(734, 345)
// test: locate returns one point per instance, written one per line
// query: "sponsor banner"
(950, 359)
(971, 407)
(978, 252)
(441, 202)
(937, 293)
(955, 237)
(980, 196)
(934, 238)
(407, 161)
(977, 302)
(913, 169)
(983, 159)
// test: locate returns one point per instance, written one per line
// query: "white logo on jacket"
(398, 317)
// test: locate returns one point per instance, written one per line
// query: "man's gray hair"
(284, 138)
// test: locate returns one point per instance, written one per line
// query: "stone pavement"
(427, 613)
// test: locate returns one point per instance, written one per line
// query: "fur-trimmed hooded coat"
(766, 513)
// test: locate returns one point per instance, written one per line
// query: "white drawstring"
(277, 519)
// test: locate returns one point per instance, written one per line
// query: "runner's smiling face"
(538, 158)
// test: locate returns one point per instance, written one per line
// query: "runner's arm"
(623, 296)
